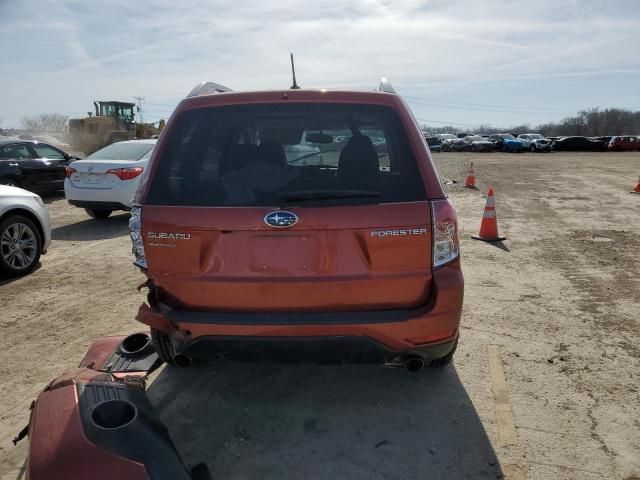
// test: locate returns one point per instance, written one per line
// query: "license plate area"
(284, 254)
(93, 178)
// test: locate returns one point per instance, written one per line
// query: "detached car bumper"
(429, 331)
(96, 422)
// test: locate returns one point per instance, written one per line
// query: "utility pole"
(140, 100)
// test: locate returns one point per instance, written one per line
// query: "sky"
(456, 62)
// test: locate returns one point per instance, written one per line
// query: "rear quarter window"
(286, 154)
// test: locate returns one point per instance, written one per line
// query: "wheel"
(532, 147)
(163, 347)
(446, 360)
(98, 214)
(20, 245)
(10, 182)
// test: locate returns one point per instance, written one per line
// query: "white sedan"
(25, 230)
(107, 179)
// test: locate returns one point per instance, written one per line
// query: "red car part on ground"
(96, 423)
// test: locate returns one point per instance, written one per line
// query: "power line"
(162, 105)
(482, 106)
(445, 123)
(473, 108)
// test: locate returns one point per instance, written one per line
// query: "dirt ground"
(555, 307)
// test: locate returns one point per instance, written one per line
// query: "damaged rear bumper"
(429, 331)
(95, 422)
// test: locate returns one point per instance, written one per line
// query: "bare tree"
(52, 122)
(31, 123)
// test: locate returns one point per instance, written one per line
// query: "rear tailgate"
(333, 259)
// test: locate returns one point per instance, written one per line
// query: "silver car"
(25, 230)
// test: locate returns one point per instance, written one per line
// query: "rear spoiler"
(385, 86)
(207, 88)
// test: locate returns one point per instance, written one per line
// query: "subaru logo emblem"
(281, 219)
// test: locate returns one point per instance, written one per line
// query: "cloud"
(460, 51)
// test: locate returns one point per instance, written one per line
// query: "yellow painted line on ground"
(504, 415)
(514, 472)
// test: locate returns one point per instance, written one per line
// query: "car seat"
(358, 160)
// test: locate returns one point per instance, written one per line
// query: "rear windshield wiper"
(303, 195)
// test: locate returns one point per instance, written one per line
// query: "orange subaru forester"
(297, 225)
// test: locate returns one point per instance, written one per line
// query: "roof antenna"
(295, 85)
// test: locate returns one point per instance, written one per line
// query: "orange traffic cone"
(489, 225)
(637, 189)
(470, 181)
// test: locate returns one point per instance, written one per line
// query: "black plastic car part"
(96, 421)
(119, 418)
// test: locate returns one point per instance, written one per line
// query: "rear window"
(122, 151)
(286, 154)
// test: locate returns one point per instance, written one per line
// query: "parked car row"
(103, 182)
(533, 142)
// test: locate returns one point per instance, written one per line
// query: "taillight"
(69, 171)
(126, 173)
(135, 232)
(445, 232)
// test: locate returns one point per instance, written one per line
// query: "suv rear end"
(297, 225)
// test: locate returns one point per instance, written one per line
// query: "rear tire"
(163, 347)
(20, 246)
(98, 214)
(446, 360)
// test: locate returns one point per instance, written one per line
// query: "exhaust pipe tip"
(413, 364)
(182, 360)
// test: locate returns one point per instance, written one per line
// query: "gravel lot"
(555, 307)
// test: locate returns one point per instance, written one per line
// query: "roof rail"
(207, 88)
(385, 85)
